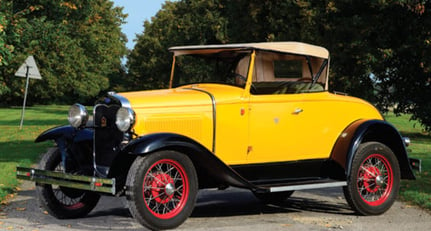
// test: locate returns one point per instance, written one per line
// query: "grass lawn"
(17, 147)
(417, 192)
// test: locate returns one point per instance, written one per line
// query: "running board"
(308, 186)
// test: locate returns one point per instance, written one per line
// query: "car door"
(293, 127)
(273, 128)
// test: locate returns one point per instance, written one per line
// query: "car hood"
(189, 95)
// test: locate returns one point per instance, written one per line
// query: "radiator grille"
(107, 137)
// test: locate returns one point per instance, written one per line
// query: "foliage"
(77, 45)
(178, 23)
(379, 49)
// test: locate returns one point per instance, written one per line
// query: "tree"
(182, 22)
(379, 49)
(77, 44)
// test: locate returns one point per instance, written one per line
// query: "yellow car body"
(254, 115)
(250, 128)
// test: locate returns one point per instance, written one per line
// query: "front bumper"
(96, 184)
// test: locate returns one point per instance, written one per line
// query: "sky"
(138, 11)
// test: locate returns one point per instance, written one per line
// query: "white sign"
(28, 69)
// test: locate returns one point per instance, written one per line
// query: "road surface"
(232, 209)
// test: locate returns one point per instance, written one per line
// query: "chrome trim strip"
(214, 113)
(308, 186)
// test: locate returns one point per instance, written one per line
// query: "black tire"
(273, 198)
(374, 180)
(162, 189)
(62, 202)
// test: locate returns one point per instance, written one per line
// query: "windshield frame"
(210, 50)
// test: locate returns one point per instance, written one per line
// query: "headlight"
(78, 115)
(125, 119)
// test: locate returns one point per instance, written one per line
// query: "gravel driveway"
(232, 209)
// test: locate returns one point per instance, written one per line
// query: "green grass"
(417, 192)
(17, 146)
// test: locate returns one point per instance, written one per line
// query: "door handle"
(297, 111)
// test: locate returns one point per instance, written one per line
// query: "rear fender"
(370, 130)
(205, 162)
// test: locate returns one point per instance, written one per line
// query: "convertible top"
(283, 47)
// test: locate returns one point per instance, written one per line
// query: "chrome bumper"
(103, 185)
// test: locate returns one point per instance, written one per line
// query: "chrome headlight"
(125, 119)
(78, 115)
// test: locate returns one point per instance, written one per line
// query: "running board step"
(308, 186)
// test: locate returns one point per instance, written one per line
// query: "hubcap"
(380, 181)
(170, 189)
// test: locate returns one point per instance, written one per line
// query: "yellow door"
(289, 127)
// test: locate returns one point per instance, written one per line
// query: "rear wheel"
(162, 189)
(63, 202)
(374, 180)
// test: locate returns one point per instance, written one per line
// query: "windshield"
(226, 67)
(272, 73)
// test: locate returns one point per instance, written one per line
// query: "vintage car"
(257, 116)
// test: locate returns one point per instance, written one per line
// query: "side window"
(290, 69)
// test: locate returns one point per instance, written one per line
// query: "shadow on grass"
(22, 151)
(33, 122)
(417, 137)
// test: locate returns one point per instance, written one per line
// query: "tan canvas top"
(283, 47)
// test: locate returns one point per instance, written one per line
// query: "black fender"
(66, 132)
(205, 162)
(74, 144)
(370, 130)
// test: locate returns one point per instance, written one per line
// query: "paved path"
(232, 209)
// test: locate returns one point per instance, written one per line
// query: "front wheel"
(63, 202)
(162, 189)
(374, 180)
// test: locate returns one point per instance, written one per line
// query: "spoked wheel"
(374, 180)
(63, 202)
(162, 189)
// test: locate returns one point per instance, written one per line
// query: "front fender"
(370, 130)
(205, 162)
(67, 132)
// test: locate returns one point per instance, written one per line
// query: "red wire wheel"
(165, 189)
(162, 189)
(59, 201)
(374, 179)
